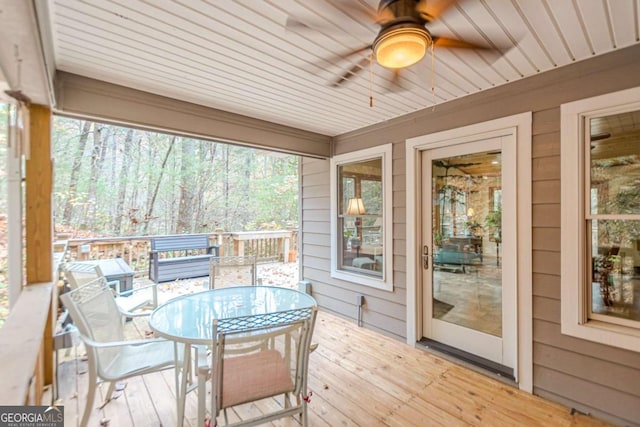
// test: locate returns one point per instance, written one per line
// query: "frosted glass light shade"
(401, 48)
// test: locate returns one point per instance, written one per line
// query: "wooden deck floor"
(358, 378)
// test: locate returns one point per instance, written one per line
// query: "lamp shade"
(401, 47)
(355, 207)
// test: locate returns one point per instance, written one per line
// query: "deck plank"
(358, 378)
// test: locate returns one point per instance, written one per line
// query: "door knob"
(425, 257)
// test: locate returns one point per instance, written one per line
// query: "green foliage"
(493, 222)
(203, 185)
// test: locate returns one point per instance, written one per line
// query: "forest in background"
(116, 181)
(112, 181)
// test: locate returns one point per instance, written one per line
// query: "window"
(360, 217)
(601, 219)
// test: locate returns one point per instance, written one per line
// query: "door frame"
(519, 127)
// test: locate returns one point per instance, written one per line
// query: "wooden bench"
(183, 256)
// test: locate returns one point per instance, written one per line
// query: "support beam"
(39, 190)
(93, 99)
(39, 221)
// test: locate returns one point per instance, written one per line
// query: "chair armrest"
(133, 291)
(128, 314)
(100, 345)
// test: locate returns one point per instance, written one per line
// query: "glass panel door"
(462, 219)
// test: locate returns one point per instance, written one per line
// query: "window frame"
(385, 281)
(575, 197)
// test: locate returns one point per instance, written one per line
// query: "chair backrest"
(80, 273)
(261, 356)
(95, 313)
(232, 270)
(181, 242)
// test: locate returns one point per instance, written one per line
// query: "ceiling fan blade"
(351, 72)
(433, 9)
(457, 44)
(335, 59)
(293, 24)
(364, 11)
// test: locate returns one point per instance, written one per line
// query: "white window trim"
(386, 281)
(521, 124)
(574, 307)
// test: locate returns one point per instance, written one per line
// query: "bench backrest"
(180, 243)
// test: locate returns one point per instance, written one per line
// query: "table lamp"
(356, 208)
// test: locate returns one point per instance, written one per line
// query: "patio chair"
(129, 302)
(111, 358)
(232, 270)
(260, 357)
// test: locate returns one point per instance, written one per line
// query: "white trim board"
(385, 152)
(574, 117)
(520, 126)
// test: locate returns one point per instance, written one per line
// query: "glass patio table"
(188, 319)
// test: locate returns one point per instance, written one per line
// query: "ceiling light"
(401, 47)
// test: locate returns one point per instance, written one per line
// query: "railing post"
(286, 247)
(238, 246)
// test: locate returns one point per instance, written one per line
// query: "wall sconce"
(470, 212)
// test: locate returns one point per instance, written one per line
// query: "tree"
(134, 182)
(123, 181)
(186, 201)
(152, 201)
(73, 179)
(97, 158)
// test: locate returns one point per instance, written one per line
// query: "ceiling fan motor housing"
(400, 7)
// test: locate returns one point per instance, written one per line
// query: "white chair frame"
(249, 339)
(110, 356)
(129, 302)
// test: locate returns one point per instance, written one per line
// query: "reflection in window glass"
(4, 287)
(360, 217)
(614, 179)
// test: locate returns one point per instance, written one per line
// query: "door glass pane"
(467, 237)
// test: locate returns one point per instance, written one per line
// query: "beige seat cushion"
(254, 376)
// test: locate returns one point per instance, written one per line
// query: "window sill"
(604, 333)
(362, 279)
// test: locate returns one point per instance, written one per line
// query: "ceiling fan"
(403, 39)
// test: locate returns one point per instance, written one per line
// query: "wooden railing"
(23, 337)
(269, 245)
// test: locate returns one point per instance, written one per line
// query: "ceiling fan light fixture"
(401, 47)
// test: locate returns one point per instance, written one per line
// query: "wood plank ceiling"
(238, 55)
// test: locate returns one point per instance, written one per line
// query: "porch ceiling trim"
(99, 100)
(22, 55)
